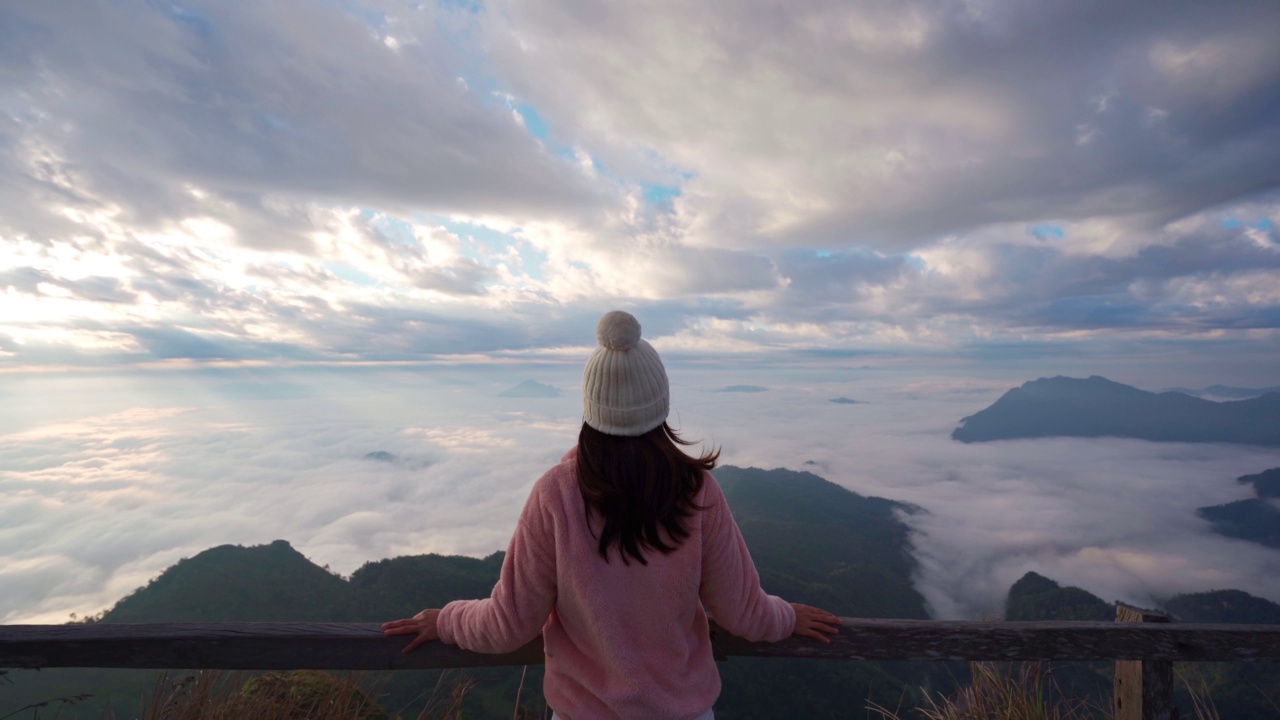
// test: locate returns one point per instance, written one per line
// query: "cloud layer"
(313, 182)
(102, 499)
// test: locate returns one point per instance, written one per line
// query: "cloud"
(883, 125)
(165, 113)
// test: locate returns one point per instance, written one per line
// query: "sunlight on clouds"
(1216, 69)
(1254, 288)
(91, 341)
(133, 491)
(908, 29)
(462, 439)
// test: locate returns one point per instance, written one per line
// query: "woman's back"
(622, 639)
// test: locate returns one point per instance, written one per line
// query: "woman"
(617, 552)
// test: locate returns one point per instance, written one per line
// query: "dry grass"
(307, 694)
(1197, 684)
(300, 695)
(1000, 691)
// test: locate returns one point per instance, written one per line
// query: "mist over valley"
(354, 466)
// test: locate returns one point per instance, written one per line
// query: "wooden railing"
(1144, 646)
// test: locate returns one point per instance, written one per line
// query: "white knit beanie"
(624, 386)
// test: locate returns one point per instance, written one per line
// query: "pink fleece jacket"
(622, 641)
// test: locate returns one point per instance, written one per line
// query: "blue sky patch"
(1263, 224)
(533, 122)
(1047, 231)
(471, 6)
(659, 194)
(394, 229)
(490, 247)
(915, 262)
(350, 274)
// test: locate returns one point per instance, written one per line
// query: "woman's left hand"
(423, 625)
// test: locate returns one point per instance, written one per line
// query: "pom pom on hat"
(624, 385)
(618, 330)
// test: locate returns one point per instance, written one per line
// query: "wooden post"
(1143, 688)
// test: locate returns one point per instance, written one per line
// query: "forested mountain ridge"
(1098, 407)
(1036, 597)
(1256, 519)
(812, 538)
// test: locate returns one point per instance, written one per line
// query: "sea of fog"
(107, 479)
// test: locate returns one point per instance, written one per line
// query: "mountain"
(1036, 597)
(743, 389)
(1266, 483)
(531, 389)
(812, 538)
(844, 401)
(232, 583)
(1098, 407)
(1223, 606)
(1255, 519)
(813, 542)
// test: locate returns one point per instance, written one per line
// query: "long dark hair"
(638, 484)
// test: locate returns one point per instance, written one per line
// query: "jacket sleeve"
(730, 587)
(524, 596)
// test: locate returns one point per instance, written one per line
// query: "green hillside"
(233, 583)
(816, 542)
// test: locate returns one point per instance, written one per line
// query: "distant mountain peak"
(743, 389)
(532, 389)
(1098, 407)
(1266, 484)
(1036, 597)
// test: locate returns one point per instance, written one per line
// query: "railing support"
(1143, 688)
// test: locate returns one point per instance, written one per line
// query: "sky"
(327, 181)
(237, 239)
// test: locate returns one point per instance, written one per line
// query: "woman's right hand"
(812, 622)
